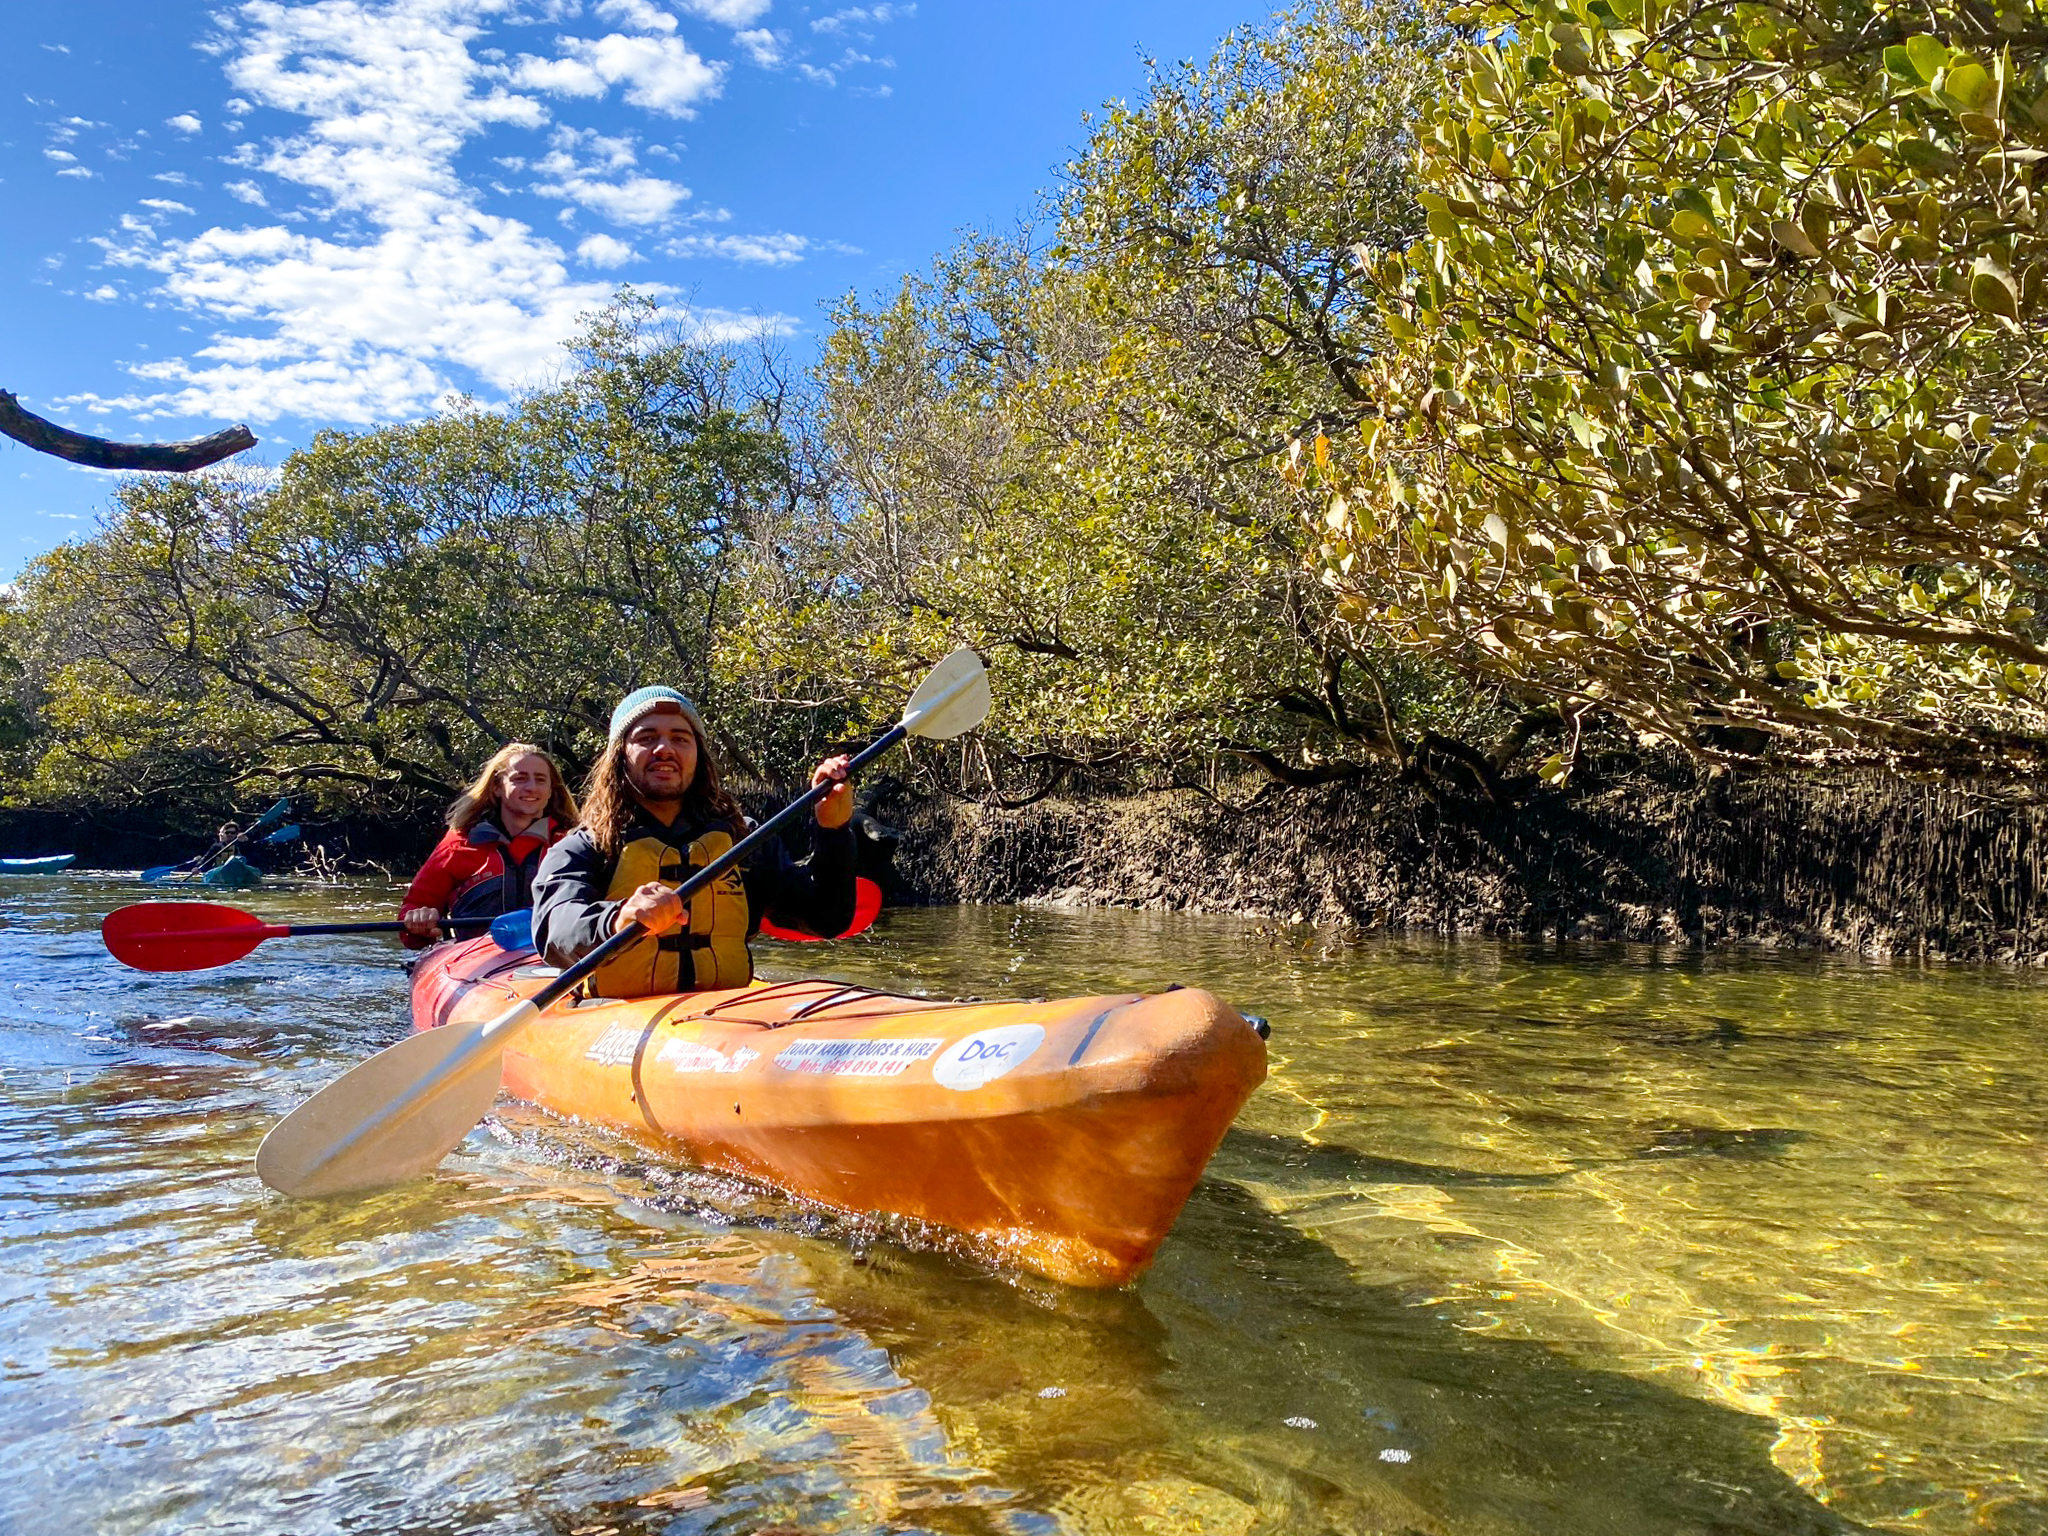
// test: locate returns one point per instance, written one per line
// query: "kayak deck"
(1060, 1135)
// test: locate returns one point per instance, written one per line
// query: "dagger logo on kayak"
(617, 1046)
(986, 1055)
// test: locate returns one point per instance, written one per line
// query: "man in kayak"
(653, 811)
(498, 828)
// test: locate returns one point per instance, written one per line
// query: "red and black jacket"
(480, 872)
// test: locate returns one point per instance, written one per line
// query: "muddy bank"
(1875, 866)
(1878, 867)
(135, 839)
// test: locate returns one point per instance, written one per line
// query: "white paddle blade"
(951, 701)
(388, 1119)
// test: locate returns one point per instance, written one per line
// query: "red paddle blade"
(867, 901)
(183, 935)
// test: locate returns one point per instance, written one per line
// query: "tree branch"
(99, 453)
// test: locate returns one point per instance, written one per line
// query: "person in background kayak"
(498, 829)
(653, 811)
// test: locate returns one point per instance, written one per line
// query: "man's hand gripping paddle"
(398, 1114)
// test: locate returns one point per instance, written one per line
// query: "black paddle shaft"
(299, 929)
(563, 984)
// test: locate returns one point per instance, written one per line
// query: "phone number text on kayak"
(855, 1058)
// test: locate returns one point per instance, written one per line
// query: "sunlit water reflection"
(1514, 1241)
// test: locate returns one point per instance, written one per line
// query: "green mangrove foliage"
(392, 605)
(1399, 387)
(1059, 444)
(1714, 390)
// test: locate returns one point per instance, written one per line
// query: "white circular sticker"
(985, 1056)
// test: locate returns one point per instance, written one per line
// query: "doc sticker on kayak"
(987, 1055)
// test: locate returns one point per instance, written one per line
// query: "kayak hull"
(1062, 1136)
(43, 866)
(236, 874)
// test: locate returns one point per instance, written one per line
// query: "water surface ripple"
(1515, 1242)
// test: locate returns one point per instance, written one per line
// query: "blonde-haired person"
(653, 812)
(498, 828)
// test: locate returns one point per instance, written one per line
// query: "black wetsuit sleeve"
(815, 895)
(571, 916)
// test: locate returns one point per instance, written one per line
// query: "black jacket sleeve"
(571, 916)
(815, 896)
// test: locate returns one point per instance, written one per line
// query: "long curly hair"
(609, 803)
(484, 797)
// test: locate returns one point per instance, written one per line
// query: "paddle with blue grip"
(193, 866)
(199, 935)
(396, 1115)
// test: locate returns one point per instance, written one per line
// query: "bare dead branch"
(100, 453)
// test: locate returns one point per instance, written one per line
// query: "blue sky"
(330, 213)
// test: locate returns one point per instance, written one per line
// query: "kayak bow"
(1062, 1135)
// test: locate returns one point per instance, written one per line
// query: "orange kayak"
(1062, 1136)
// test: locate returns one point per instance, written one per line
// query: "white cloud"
(247, 192)
(604, 251)
(583, 168)
(729, 13)
(635, 200)
(721, 325)
(597, 151)
(858, 18)
(400, 288)
(365, 326)
(79, 171)
(762, 46)
(659, 73)
(164, 205)
(184, 122)
(61, 156)
(105, 293)
(637, 13)
(174, 178)
(769, 250)
(55, 48)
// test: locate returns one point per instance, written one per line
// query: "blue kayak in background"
(233, 874)
(43, 866)
(236, 874)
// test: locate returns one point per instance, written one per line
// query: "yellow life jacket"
(708, 951)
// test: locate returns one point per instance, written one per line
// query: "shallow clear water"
(1550, 1242)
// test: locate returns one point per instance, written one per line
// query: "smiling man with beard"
(654, 811)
